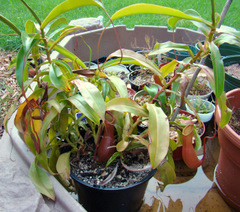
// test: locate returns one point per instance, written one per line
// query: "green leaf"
(53, 158)
(225, 111)
(149, 64)
(67, 6)
(126, 105)
(120, 86)
(167, 174)
(160, 48)
(201, 26)
(31, 11)
(122, 145)
(153, 9)
(41, 180)
(67, 53)
(218, 68)
(65, 68)
(28, 44)
(63, 165)
(52, 113)
(159, 135)
(79, 102)
(55, 24)
(169, 68)
(105, 87)
(30, 27)
(172, 21)
(64, 34)
(92, 96)
(57, 78)
(8, 115)
(10, 24)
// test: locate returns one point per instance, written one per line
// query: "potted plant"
(205, 109)
(47, 114)
(46, 117)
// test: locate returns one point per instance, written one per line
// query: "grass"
(16, 12)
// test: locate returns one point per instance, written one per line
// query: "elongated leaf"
(79, 102)
(30, 27)
(120, 86)
(160, 48)
(218, 67)
(225, 111)
(28, 44)
(67, 6)
(55, 24)
(56, 104)
(63, 165)
(67, 53)
(10, 24)
(41, 180)
(31, 11)
(92, 96)
(52, 113)
(159, 135)
(149, 64)
(154, 9)
(65, 68)
(64, 34)
(167, 174)
(8, 115)
(57, 78)
(126, 105)
(169, 68)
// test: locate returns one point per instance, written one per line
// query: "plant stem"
(224, 12)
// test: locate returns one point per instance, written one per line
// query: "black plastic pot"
(95, 198)
(225, 49)
(231, 82)
(181, 55)
(134, 74)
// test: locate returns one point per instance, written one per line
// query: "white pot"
(205, 117)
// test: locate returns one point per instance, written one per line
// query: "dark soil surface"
(142, 77)
(89, 171)
(235, 121)
(200, 90)
(233, 70)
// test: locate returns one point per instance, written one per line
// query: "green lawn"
(15, 11)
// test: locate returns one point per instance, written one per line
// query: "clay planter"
(228, 169)
(231, 82)
(127, 198)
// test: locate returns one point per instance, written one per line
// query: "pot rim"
(150, 174)
(228, 131)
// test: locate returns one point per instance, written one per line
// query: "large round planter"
(231, 82)
(228, 169)
(95, 198)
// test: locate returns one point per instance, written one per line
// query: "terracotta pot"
(228, 169)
